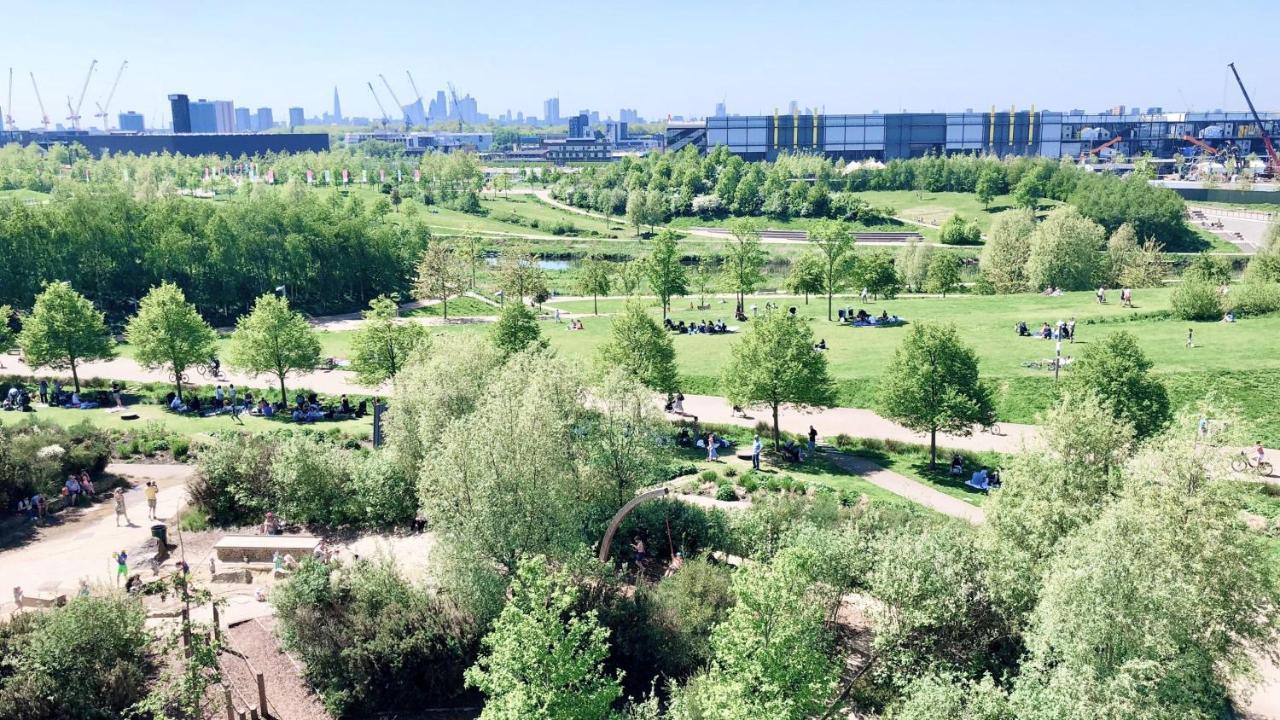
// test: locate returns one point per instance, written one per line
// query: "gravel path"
(288, 696)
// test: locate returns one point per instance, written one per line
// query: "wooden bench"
(262, 548)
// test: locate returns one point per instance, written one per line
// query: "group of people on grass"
(706, 327)
(308, 408)
(862, 318)
(985, 479)
(19, 398)
(1061, 330)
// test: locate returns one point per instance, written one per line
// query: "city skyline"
(957, 59)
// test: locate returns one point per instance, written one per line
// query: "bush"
(89, 659)
(708, 476)
(1196, 300)
(731, 472)
(687, 605)
(751, 481)
(194, 520)
(1254, 298)
(372, 642)
(957, 231)
(726, 493)
(179, 446)
(231, 482)
(38, 457)
(692, 529)
(561, 227)
(680, 470)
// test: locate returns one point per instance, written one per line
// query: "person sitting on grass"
(957, 465)
(344, 407)
(1046, 332)
(176, 404)
(1022, 329)
(822, 345)
(791, 451)
(194, 405)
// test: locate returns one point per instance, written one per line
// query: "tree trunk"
(284, 395)
(177, 381)
(775, 427)
(933, 447)
(444, 306)
(75, 377)
(828, 306)
(595, 304)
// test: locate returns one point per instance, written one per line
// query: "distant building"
(180, 109)
(630, 115)
(720, 110)
(438, 109)
(580, 125)
(551, 110)
(337, 107)
(265, 121)
(417, 143)
(204, 118)
(244, 121)
(414, 114)
(580, 149)
(615, 132)
(297, 118)
(233, 144)
(224, 114)
(132, 122)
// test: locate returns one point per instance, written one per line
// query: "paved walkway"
(910, 489)
(80, 545)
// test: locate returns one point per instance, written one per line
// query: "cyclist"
(1258, 453)
(215, 365)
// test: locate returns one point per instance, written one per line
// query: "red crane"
(1274, 160)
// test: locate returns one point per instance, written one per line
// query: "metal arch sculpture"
(622, 515)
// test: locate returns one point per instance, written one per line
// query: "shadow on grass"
(916, 468)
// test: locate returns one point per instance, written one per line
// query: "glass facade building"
(1008, 132)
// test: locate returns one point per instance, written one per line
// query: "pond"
(542, 264)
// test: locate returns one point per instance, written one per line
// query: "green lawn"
(533, 208)
(1237, 360)
(179, 424)
(458, 307)
(24, 195)
(819, 472)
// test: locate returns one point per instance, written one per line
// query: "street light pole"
(1057, 363)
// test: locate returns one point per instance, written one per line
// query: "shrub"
(957, 231)
(751, 481)
(37, 457)
(193, 520)
(708, 476)
(89, 659)
(1196, 300)
(680, 470)
(179, 446)
(692, 529)
(726, 493)
(231, 482)
(687, 605)
(731, 472)
(372, 642)
(1254, 298)
(561, 227)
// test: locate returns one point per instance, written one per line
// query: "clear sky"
(661, 57)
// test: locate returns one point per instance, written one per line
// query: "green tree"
(641, 348)
(64, 330)
(834, 242)
(630, 275)
(1209, 270)
(704, 279)
(1196, 300)
(544, 658)
(876, 272)
(990, 184)
(944, 273)
(169, 332)
(805, 276)
(7, 337)
(744, 258)
(441, 275)
(1119, 372)
(472, 248)
(932, 384)
(947, 697)
(958, 231)
(381, 347)
(519, 275)
(775, 364)
(1065, 251)
(275, 340)
(594, 279)
(664, 270)
(1122, 251)
(1265, 266)
(516, 329)
(1029, 190)
(912, 263)
(1004, 257)
(771, 655)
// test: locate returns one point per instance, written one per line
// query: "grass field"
(24, 195)
(458, 307)
(1238, 360)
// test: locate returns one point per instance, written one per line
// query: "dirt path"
(288, 695)
(80, 546)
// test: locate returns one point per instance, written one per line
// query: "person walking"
(44, 391)
(118, 496)
(756, 447)
(1191, 342)
(152, 492)
(712, 455)
(217, 397)
(235, 408)
(813, 439)
(117, 394)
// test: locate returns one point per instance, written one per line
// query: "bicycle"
(209, 370)
(1244, 462)
(993, 429)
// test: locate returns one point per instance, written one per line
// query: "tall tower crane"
(74, 117)
(103, 108)
(396, 100)
(416, 94)
(381, 109)
(1274, 160)
(44, 116)
(453, 95)
(8, 105)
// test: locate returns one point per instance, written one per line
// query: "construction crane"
(1206, 147)
(1084, 155)
(8, 105)
(381, 109)
(453, 95)
(74, 117)
(417, 95)
(106, 106)
(396, 100)
(44, 116)
(1274, 160)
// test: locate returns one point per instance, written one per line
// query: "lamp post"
(1057, 362)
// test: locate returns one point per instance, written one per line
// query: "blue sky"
(661, 57)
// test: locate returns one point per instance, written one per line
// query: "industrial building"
(417, 143)
(1009, 132)
(233, 145)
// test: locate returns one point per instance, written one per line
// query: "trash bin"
(161, 533)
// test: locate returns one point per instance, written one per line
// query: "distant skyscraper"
(297, 118)
(438, 109)
(615, 132)
(414, 113)
(337, 107)
(243, 122)
(132, 121)
(580, 125)
(204, 117)
(628, 115)
(180, 109)
(265, 122)
(720, 111)
(551, 110)
(595, 117)
(793, 107)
